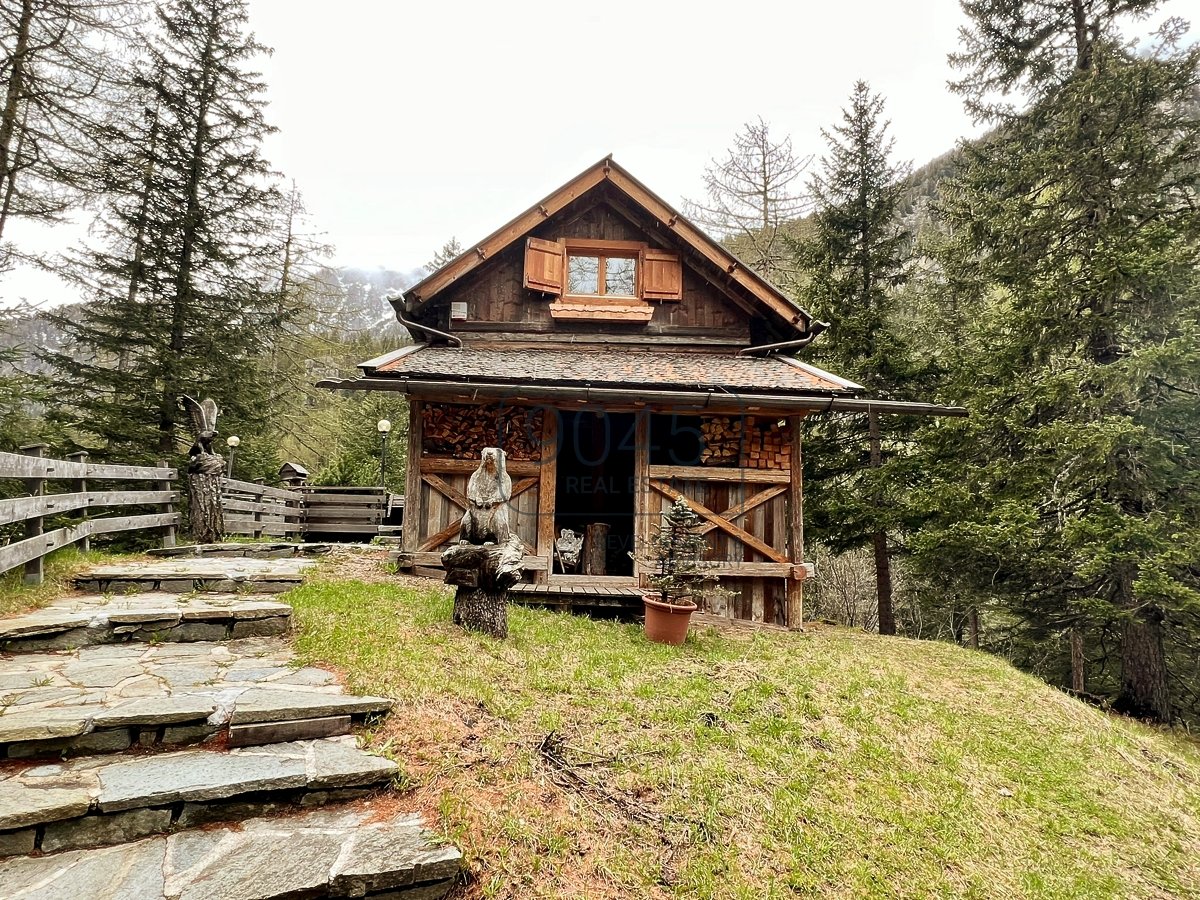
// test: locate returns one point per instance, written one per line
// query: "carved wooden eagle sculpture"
(204, 422)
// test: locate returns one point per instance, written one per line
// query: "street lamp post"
(232, 442)
(384, 427)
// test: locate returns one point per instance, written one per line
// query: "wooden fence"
(344, 510)
(313, 512)
(78, 502)
(257, 510)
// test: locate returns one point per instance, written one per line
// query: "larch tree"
(753, 200)
(186, 284)
(856, 257)
(1073, 492)
(60, 73)
(450, 250)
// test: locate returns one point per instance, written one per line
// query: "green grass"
(830, 764)
(16, 596)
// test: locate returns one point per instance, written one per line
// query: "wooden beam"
(547, 489)
(641, 495)
(435, 541)
(450, 493)
(413, 508)
(746, 505)
(795, 588)
(714, 473)
(442, 465)
(740, 533)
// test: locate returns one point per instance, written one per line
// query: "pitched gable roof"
(607, 171)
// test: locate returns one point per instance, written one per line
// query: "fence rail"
(257, 510)
(33, 467)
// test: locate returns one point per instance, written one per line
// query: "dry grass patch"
(577, 760)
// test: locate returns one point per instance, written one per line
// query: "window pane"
(583, 275)
(619, 276)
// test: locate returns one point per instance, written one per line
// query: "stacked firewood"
(745, 442)
(461, 431)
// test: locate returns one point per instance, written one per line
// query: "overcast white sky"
(406, 123)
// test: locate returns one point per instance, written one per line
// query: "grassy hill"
(578, 760)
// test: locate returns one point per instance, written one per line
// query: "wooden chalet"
(621, 358)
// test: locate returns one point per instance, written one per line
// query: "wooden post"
(165, 484)
(259, 500)
(795, 586)
(410, 530)
(595, 549)
(35, 569)
(641, 490)
(547, 487)
(80, 486)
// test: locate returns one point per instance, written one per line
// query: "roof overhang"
(695, 399)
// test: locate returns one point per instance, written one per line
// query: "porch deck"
(581, 591)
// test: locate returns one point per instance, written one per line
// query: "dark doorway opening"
(595, 480)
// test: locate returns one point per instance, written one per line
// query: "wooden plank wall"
(495, 293)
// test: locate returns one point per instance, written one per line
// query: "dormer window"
(613, 280)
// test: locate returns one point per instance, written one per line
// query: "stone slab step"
(104, 699)
(88, 619)
(268, 576)
(265, 550)
(100, 801)
(347, 852)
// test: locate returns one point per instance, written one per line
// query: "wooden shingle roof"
(611, 366)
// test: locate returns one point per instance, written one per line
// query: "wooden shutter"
(662, 275)
(545, 266)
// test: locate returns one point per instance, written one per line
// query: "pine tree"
(1073, 493)
(856, 258)
(186, 289)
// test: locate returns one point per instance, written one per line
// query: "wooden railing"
(254, 509)
(36, 470)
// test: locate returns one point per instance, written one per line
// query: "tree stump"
(482, 574)
(595, 550)
(205, 515)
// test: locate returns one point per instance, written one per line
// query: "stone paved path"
(107, 698)
(130, 720)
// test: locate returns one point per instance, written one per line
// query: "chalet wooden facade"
(621, 358)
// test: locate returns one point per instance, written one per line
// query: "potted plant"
(677, 552)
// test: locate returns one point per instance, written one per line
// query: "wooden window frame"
(604, 250)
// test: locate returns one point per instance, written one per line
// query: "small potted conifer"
(677, 553)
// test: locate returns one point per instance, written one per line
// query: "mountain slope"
(575, 759)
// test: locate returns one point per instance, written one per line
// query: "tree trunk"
(883, 584)
(595, 550)
(483, 573)
(1145, 692)
(973, 627)
(883, 561)
(1078, 675)
(205, 516)
(12, 99)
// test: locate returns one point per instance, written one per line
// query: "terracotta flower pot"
(667, 623)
